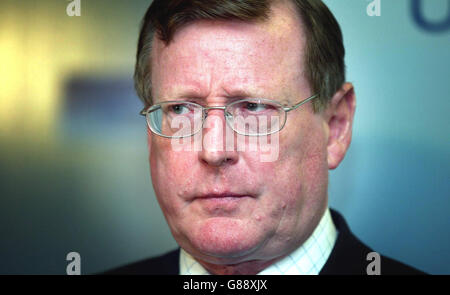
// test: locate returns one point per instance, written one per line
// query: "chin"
(225, 238)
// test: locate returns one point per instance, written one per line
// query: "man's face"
(227, 207)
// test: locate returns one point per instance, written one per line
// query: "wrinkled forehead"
(282, 25)
(236, 52)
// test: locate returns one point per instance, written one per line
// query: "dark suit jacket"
(347, 258)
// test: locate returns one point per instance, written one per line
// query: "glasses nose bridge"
(206, 109)
(225, 115)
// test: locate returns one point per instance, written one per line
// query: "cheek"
(302, 168)
(169, 167)
(167, 164)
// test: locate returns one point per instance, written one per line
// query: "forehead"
(230, 57)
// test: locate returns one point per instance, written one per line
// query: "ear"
(339, 117)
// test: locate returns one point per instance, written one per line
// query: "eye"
(257, 107)
(178, 109)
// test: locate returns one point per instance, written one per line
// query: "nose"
(218, 148)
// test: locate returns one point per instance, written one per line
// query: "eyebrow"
(245, 90)
(193, 94)
(181, 95)
(240, 93)
(197, 95)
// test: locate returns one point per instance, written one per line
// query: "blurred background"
(74, 174)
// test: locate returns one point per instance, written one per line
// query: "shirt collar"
(308, 259)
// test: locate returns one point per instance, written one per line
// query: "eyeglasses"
(249, 117)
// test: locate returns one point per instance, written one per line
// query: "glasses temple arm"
(287, 109)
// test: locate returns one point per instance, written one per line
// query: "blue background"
(74, 174)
